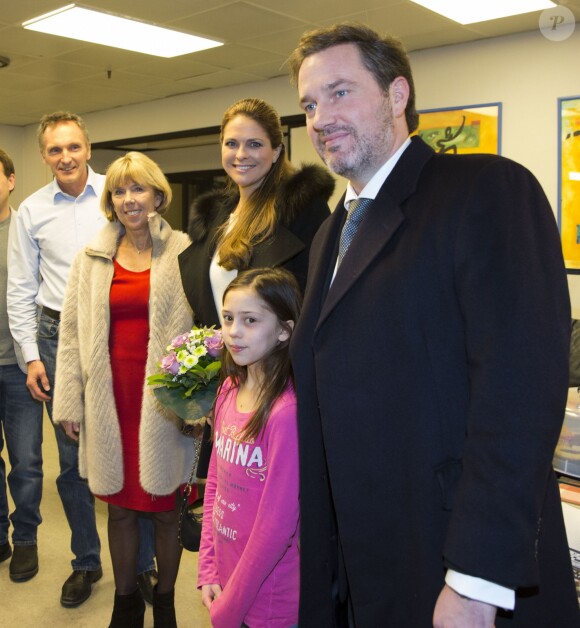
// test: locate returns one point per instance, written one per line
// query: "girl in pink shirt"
(248, 559)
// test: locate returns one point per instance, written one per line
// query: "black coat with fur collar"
(303, 205)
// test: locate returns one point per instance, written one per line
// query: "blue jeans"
(77, 499)
(21, 429)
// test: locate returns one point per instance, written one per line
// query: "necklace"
(147, 246)
(139, 251)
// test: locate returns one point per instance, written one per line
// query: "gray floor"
(36, 603)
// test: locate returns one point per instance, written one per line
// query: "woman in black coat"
(266, 217)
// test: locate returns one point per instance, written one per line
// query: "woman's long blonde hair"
(259, 219)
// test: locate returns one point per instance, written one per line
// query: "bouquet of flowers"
(188, 379)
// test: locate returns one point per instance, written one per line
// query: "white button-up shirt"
(51, 227)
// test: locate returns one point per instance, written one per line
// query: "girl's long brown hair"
(279, 291)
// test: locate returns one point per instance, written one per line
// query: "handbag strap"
(190, 482)
(187, 490)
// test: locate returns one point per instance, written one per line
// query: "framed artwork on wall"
(462, 130)
(569, 180)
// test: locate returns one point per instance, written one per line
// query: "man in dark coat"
(431, 364)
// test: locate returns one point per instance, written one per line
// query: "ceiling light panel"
(469, 12)
(77, 22)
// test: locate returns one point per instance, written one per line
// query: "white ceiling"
(47, 73)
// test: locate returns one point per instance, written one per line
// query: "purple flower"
(170, 364)
(179, 340)
(214, 344)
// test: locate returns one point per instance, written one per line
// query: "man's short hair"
(50, 119)
(7, 163)
(384, 57)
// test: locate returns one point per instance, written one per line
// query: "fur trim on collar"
(300, 190)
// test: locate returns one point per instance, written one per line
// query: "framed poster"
(462, 130)
(569, 180)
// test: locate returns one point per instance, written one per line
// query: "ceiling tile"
(323, 10)
(23, 10)
(159, 13)
(104, 56)
(174, 69)
(18, 83)
(281, 42)
(232, 56)
(240, 21)
(54, 70)
(18, 40)
(222, 78)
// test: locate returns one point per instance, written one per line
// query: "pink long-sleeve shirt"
(249, 543)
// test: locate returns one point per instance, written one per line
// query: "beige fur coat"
(84, 381)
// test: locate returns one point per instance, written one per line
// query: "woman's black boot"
(164, 609)
(128, 611)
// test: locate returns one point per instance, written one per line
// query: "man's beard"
(368, 153)
(349, 164)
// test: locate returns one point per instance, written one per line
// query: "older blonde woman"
(122, 304)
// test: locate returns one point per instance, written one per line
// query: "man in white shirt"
(52, 225)
(431, 362)
(20, 421)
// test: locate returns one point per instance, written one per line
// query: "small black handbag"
(190, 515)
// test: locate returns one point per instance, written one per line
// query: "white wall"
(526, 72)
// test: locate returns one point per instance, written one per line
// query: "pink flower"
(214, 344)
(179, 340)
(170, 364)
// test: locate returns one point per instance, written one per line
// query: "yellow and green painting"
(570, 180)
(462, 130)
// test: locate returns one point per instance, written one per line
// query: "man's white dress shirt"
(51, 227)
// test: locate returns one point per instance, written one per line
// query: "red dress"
(128, 341)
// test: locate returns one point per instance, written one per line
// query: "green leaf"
(213, 368)
(158, 378)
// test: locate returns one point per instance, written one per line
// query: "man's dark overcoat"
(432, 382)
